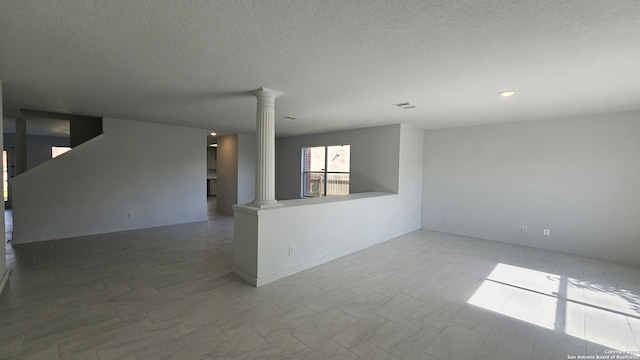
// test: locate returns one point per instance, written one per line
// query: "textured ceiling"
(340, 64)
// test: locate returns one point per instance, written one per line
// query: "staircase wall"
(135, 175)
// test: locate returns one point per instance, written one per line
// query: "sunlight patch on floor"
(520, 293)
(600, 314)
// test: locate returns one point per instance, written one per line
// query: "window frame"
(324, 172)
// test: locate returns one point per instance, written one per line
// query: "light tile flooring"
(167, 293)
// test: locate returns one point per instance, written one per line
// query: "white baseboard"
(4, 279)
(532, 244)
(262, 280)
(244, 276)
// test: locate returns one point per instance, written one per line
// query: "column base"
(264, 204)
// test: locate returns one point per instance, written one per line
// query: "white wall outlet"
(546, 232)
(130, 215)
(290, 250)
(524, 228)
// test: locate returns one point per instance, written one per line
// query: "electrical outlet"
(523, 228)
(546, 232)
(290, 250)
(130, 215)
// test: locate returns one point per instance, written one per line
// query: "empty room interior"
(405, 180)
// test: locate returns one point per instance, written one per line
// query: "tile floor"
(167, 293)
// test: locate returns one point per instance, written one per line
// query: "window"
(58, 150)
(325, 170)
(5, 175)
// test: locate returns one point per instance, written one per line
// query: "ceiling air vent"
(405, 105)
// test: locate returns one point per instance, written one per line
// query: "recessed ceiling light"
(291, 118)
(507, 93)
(405, 105)
(213, 145)
(213, 134)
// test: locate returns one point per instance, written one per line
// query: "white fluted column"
(266, 148)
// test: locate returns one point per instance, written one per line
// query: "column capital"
(265, 91)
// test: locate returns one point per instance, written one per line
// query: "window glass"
(58, 150)
(314, 158)
(337, 184)
(313, 184)
(338, 158)
(5, 175)
(332, 179)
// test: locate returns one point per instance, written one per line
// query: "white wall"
(410, 176)
(4, 273)
(580, 178)
(211, 158)
(227, 173)
(156, 172)
(246, 168)
(323, 229)
(374, 159)
(236, 171)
